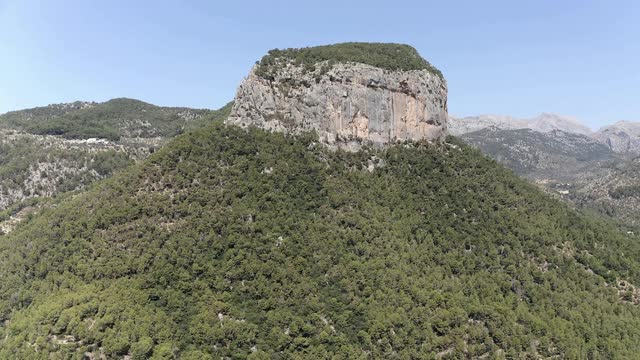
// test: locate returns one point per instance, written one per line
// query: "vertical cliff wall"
(345, 103)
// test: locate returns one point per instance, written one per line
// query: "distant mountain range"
(622, 137)
(594, 170)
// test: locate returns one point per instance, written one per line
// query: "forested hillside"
(36, 167)
(233, 243)
(110, 120)
(573, 167)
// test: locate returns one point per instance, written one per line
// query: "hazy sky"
(572, 57)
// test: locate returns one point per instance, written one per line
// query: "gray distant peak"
(622, 137)
(467, 124)
(546, 122)
(632, 127)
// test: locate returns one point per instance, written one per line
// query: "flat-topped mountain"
(348, 93)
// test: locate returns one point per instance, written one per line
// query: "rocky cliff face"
(621, 137)
(345, 103)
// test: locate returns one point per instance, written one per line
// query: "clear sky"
(571, 57)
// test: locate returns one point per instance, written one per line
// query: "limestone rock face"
(622, 137)
(346, 104)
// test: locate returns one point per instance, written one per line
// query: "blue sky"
(521, 58)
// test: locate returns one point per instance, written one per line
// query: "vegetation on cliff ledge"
(382, 55)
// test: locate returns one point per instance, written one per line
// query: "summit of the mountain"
(348, 93)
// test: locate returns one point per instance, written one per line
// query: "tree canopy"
(249, 244)
(110, 120)
(383, 55)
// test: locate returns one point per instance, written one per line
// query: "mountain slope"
(574, 167)
(110, 120)
(233, 243)
(540, 154)
(622, 137)
(44, 166)
(612, 189)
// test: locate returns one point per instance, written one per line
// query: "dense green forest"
(111, 120)
(249, 244)
(383, 55)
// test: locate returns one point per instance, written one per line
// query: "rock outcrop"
(345, 103)
(622, 137)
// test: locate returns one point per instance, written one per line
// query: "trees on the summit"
(382, 55)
